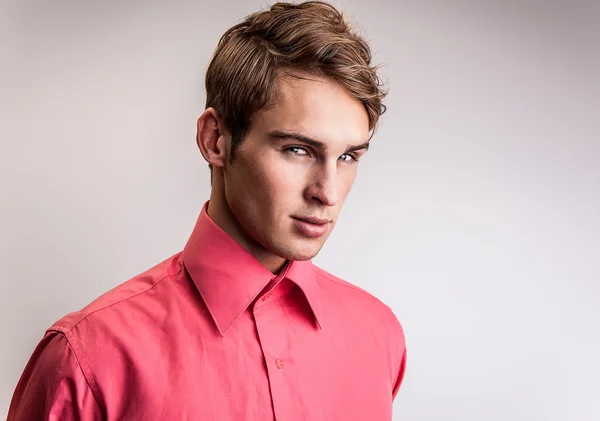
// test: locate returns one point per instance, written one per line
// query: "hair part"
(312, 37)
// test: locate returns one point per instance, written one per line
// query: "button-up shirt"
(211, 334)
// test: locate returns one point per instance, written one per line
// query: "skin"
(299, 159)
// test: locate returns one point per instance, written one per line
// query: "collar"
(229, 278)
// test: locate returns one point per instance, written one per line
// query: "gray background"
(475, 215)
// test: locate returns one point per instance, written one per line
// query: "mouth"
(312, 220)
(311, 227)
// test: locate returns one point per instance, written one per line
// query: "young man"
(241, 325)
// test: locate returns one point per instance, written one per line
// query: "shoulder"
(130, 296)
(358, 313)
(351, 299)
(52, 380)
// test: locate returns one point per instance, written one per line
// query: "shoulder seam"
(63, 329)
(83, 365)
(347, 284)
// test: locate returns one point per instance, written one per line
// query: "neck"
(221, 214)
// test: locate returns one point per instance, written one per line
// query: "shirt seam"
(77, 350)
(320, 272)
(65, 329)
(83, 365)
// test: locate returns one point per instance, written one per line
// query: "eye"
(296, 150)
(348, 158)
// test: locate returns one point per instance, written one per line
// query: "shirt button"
(279, 363)
(266, 297)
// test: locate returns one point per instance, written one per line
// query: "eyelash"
(353, 157)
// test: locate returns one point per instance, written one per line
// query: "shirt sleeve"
(53, 386)
(400, 375)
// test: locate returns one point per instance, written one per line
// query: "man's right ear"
(210, 138)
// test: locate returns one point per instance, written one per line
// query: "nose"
(324, 188)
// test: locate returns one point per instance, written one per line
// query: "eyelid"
(296, 147)
(304, 148)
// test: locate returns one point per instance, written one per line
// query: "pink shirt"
(211, 334)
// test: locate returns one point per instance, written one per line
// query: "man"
(241, 325)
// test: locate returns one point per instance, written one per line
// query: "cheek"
(264, 182)
(346, 181)
(278, 177)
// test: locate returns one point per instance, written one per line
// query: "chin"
(303, 256)
(299, 251)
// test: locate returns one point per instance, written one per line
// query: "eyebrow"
(317, 144)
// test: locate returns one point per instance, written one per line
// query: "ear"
(211, 137)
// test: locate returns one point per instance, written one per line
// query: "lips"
(310, 226)
(312, 220)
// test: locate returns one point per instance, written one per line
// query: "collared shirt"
(211, 334)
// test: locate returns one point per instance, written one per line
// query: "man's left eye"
(348, 157)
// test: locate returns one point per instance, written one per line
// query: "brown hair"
(313, 37)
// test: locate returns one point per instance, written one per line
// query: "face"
(292, 172)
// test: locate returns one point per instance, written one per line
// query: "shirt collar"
(229, 278)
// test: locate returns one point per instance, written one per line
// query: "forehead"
(315, 107)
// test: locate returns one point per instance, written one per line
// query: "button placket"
(271, 326)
